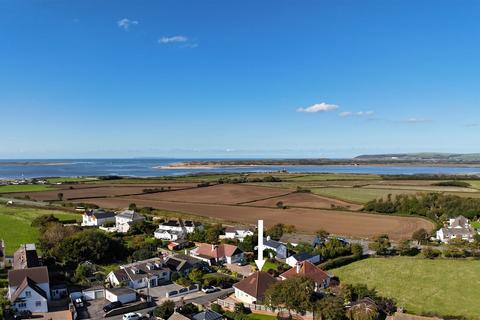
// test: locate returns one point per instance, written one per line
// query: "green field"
(333, 176)
(71, 179)
(15, 226)
(24, 188)
(256, 316)
(421, 286)
(476, 224)
(357, 195)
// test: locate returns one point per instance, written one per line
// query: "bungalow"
(252, 289)
(125, 219)
(279, 248)
(207, 315)
(183, 264)
(212, 254)
(29, 289)
(97, 218)
(457, 228)
(295, 238)
(309, 270)
(26, 257)
(236, 233)
(297, 258)
(176, 229)
(140, 274)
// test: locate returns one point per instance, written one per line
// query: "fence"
(264, 309)
(183, 291)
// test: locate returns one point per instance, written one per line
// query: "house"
(178, 316)
(212, 254)
(252, 289)
(124, 295)
(97, 218)
(183, 264)
(457, 228)
(26, 257)
(279, 248)
(309, 270)
(125, 219)
(140, 274)
(29, 289)
(236, 233)
(2, 254)
(207, 315)
(295, 238)
(176, 229)
(179, 245)
(297, 258)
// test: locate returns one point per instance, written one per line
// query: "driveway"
(160, 292)
(242, 270)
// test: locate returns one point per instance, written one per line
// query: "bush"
(339, 262)
(217, 308)
(452, 183)
(430, 253)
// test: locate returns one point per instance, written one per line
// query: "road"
(31, 203)
(201, 299)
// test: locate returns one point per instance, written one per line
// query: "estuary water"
(12, 169)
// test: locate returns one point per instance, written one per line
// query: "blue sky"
(237, 78)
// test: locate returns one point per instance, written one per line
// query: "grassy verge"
(15, 224)
(421, 286)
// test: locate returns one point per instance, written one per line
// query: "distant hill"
(423, 156)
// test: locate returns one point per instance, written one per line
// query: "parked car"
(78, 302)
(209, 289)
(132, 316)
(24, 314)
(113, 305)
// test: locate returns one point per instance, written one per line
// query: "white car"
(132, 316)
(209, 289)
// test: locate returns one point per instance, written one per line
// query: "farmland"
(421, 285)
(16, 224)
(24, 188)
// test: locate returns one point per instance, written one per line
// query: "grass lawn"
(256, 316)
(25, 188)
(445, 287)
(333, 176)
(15, 226)
(476, 224)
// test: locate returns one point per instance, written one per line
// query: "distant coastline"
(32, 163)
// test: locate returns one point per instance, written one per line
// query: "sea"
(12, 169)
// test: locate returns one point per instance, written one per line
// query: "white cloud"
(357, 114)
(126, 23)
(414, 120)
(318, 107)
(173, 39)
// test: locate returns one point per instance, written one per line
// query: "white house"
(97, 218)
(176, 229)
(237, 233)
(252, 289)
(29, 289)
(279, 248)
(212, 254)
(457, 228)
(125, 219)
(141, 274)
(295, 259)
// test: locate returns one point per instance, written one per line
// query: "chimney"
(298, 268)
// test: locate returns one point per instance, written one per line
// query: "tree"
(132, 206)
(60, 196)
(362, 311)
(280, 205)
(217, 308)
(304, 247)
(213, 232)
(330, 308)
(43, 220)
(89, 245)
(357, 249)
(248, 244)
(276, 231)
(83, 272)
(405, 249)
(420, 235)
(195, 275)
(430, 253)
(322, 234)
(188, 309)
(165, 310)
(292, 294)
(54, 233)
(381, 245)
(141, 227)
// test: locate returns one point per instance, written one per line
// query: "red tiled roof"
(256, 284)
(308, 270)
(37, 274)
(223, 250)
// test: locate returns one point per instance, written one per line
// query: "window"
(28, 294)
(21, 305)
(38, 303)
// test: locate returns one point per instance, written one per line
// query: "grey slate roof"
(207, 315)
(272, 243)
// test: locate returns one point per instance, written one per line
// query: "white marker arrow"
(260, 262)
